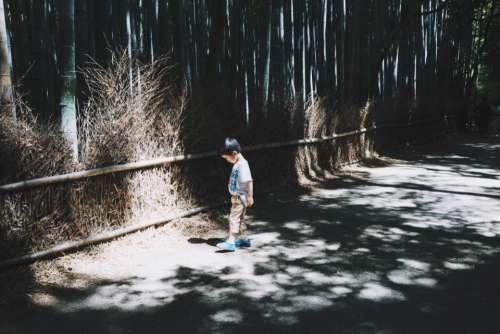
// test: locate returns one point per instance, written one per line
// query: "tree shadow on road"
(351, 256)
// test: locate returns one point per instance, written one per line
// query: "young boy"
(241, 189)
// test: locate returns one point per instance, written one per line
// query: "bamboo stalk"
(6, 91)
(75, 176)
(71, 246)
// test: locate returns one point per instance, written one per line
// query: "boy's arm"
(249, 191)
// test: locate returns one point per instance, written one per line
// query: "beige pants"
(237, 216)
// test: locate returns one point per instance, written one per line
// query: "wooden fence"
(85, 174)
(70, 246)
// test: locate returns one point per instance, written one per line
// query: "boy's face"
(231, 157)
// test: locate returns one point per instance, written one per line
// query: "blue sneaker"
(227, 246)
(242, 243)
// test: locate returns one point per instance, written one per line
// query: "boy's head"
(230, 150)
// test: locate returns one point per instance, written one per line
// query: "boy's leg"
(237, 210)
(243, 230)
(234, 227)
(243, 225)
(243, 240)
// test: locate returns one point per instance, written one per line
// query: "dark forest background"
(246, 64)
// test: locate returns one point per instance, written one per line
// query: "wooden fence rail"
(80, 175)
(71, 246)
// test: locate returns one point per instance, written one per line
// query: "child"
(241, 189)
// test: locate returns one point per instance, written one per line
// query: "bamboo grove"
(246, 61)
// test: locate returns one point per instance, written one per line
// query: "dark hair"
(230, 145)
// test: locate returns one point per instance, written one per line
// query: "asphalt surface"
(408, 248)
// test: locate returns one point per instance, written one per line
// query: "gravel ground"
(412, 247)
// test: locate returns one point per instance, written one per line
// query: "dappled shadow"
(469, 157)
(419, 187)
(403, 249)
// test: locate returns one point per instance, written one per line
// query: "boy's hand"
(250, 201)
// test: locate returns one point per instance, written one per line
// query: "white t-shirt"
(240, 174)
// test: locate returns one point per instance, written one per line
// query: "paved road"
(408, 248)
